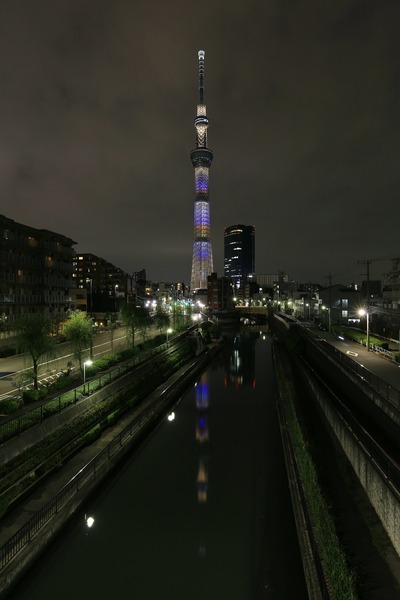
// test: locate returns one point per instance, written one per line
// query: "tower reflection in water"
(202, 439)
(240, 370)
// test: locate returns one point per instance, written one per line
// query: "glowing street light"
(364, 313)
(89, 521)
(168, 332)
(329, 316)
(86, 363)
(115, 296)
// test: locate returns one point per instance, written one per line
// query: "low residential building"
(106, 285)
(219, 293)
(341, 303)
(391, 288)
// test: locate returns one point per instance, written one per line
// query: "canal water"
(201, 512)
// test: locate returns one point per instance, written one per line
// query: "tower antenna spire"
(201, 55)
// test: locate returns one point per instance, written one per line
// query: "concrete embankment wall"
(383, 496)
(155, 404)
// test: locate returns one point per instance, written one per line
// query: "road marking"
(351, 353)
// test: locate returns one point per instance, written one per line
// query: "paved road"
(378, 364)
(13, 370)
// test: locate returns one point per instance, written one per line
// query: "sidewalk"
(17, 518)
(382, 367)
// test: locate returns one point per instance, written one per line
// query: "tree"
(177, 315)
(134, 318)
(78, 330)
(33, 337)
(161, 319)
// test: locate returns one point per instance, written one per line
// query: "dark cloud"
(96, 120)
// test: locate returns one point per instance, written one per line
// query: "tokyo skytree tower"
(201, 157)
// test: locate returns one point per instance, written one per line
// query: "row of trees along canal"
(34, 336)
(146, 375)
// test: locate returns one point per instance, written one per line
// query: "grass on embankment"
(340, 577)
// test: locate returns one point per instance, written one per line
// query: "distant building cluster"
(40, 271)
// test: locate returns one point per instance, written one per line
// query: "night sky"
(97, 102)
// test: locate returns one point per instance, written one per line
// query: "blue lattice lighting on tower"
(201, 157)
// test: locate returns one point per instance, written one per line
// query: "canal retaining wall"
(66, 491)
(383, 496)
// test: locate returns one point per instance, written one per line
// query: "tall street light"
(365, 313)
(89, 280)
(115, 295)
(329, 316)
(86, 363)
(168, 332)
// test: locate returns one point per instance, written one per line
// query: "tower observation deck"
(201, 157)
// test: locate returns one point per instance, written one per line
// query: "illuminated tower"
(201, 157)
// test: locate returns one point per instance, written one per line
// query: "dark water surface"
(202, 511)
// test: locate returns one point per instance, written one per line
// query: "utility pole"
(329, 277)
(366, 262)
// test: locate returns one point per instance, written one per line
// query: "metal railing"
(385, 390)
(36, 415)
(24, 535)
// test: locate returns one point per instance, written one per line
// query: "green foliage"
(53, 450)
(397, 357)
(102, 364)
(135, 318)
(11, 405)
(29, 396)
(92, 435)
(126, 354)
(64, 381)
(161, 319)
(359, 336)
(78, 330)
(33, 337)
(341, 578)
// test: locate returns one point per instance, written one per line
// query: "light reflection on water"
(202, 511)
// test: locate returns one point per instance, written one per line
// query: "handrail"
(24, 535)
(38, 414)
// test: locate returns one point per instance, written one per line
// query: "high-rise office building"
(201, 157)
(239, 254)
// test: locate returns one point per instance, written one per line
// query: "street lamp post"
(89, 280)
(115, 296)
(329, 316)
(85, 363)
(363, 312)
(168, 332)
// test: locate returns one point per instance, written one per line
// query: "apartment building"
(36, 268)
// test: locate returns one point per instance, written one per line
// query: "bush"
(11, 405)
(92, 435)
(102, 364)
(397, 357)
(29, 396)
(63, 381)
(126, 354)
